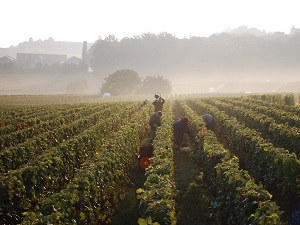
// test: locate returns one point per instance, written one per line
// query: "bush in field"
(157, 83)
(123, 82)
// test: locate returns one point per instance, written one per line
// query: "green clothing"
(154, 122)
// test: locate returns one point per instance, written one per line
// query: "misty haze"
(247, 62)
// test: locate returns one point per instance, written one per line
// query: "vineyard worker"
(144, 103)
(209, 121)
(158, 102)
(155, 121)
(180, 128)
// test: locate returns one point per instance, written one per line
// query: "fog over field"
(184, 83)
(245, 60)
(200, 46)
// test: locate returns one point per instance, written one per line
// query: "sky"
(89, 20)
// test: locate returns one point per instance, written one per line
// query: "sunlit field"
(68, 159)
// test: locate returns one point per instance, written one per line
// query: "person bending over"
(155, 121)
(180, 128)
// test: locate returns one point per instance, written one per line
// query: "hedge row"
(94, 192)
(25, 188)
(239, 199)
(281, 134)
(157, 200)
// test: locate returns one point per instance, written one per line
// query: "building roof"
(72, 60)
(25, 58)
(7, 59)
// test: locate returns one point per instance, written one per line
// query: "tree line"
(164, 54)
(236, 54)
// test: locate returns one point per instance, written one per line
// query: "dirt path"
(127, 212)
(194, 204)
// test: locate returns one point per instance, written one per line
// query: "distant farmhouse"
(72, 60)
(48, 52)
(7, 59)
(32, 59)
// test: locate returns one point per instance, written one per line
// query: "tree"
(84, 52)
(50, 39)
(121, 82)
(153, 84)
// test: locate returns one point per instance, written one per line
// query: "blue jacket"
(179, 128)
(209, 120)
